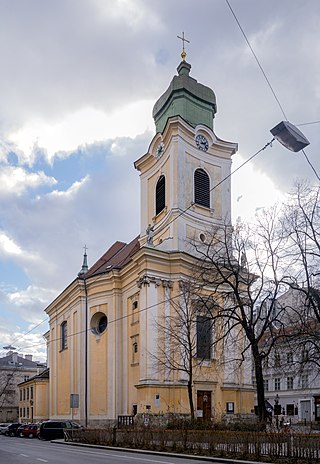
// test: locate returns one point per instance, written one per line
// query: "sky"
(78, 82)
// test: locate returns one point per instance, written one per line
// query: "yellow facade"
(34, 399)
(105, 339)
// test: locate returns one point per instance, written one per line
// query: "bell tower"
(181, 194)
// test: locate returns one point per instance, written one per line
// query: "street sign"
(74, 400)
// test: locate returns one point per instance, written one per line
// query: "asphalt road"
(15, 450)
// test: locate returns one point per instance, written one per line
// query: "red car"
(30, 431)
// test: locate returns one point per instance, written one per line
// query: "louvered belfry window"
(160, 194)
(201, 188)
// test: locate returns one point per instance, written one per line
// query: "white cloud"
(86, 70)
(8, 246)
(16, 180)
(84, 126)
(72, 190)
(32, 295)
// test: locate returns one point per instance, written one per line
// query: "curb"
(159, 453)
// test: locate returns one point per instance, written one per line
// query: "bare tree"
(242, 272)
(302, 221)
(184, 339)
(7, 387)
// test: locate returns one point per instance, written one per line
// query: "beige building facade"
(14, 369)
(34, 398)
(105, 335)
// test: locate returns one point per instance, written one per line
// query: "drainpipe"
(86, 357)
(81, 275)
(85, 351)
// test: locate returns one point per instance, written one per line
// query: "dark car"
(30, 431)
(12, 429)
(20, 429)
(50, 430)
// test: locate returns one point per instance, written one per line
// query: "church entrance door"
(204, 404)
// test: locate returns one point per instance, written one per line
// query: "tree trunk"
(190, 396)
(262, 412)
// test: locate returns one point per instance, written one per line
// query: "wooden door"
(204, 404)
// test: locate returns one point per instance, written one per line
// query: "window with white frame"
(304, 381)
(290, 357)
(277, 360)
(289, 383)
(304, 355)
(277, 383)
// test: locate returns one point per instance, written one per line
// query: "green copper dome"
(185, 97)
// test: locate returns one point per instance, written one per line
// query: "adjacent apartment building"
(14, 369)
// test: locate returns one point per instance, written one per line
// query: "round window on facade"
(98, 323)
(202, 237)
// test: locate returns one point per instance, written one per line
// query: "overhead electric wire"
(257, 60)
(308, 123)
(167, 224)
(245, 162)
(268, 82)
(311, 165)
(219, 183)
(109, 322)
(29, 331)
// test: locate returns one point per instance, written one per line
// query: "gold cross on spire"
(183, 54)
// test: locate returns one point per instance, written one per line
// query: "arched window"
(64, 335)
(201, 188)
(160, 194)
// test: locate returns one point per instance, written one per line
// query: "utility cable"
(308, 123)
(257, 60)
(311, 165)
(268, 82)
(109, 322)
(166, 225)
(219, 183)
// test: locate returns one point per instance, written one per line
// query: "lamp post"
(9, 347)
(276, 410)
(289, 136)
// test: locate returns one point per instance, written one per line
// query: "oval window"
(98, 323)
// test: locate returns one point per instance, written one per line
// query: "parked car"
(30, 431)
(19, 430)
(49, 430)
(3, 428)
(12, 429)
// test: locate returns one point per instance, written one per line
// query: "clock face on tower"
(202, 142)
(160, 150)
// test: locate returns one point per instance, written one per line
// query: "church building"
(105, 336)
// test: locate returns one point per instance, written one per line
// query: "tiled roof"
(11, 361)
(116, 257)
(43, 375)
